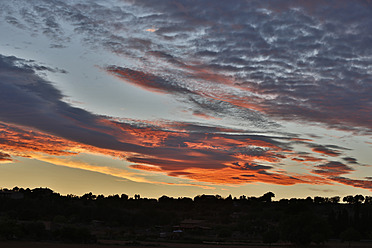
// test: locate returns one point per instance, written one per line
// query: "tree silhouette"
(73, 218)
(124, 197)
(267, 197)
(335, 199)
(349, 199)
(357, 199)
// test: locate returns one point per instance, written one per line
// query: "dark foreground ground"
(116, 244)
(41, 214)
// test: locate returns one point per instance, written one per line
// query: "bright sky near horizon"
(182, 98)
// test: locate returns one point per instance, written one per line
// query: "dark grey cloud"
(199, 103)
(306, 62)
(350, 160)
(146, 80)
(312, 59)
(30, 65)
(252, 166)
(333, 169)
(365, 184)
(323, 190)
(221, 109)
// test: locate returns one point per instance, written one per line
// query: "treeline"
(41, 214)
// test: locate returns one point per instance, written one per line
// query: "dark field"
(116, 244)
(204, 221)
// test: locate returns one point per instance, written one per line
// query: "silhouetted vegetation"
(41, 214)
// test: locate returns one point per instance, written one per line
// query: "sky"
(182, 98)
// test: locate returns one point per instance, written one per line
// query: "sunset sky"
(182, 98)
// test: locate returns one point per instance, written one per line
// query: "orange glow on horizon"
(204, 159)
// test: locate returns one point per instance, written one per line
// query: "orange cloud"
(224, 143)
(146, 168)
(5, 158)
(19, 142)
(23, 141)
(326, 151)
(298, 159)
(151, 30)
(141, 135)
(236, 176)
(112, 171)
(172, 149)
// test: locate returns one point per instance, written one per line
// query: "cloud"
(258, 63)
(307, 158)
(288, 60)
(365, 184)
(146, 168)
(324, 190)
(350, 160)
(299, 61)
(332, 168)
(26, 142)
(237, 176)
(208, 102)
(325, 150)
(27, 99)
(112, 171)
(214, 164)
(5, 158)
(252, 166)
(146, 80)
(203, 115)
(30, 100)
